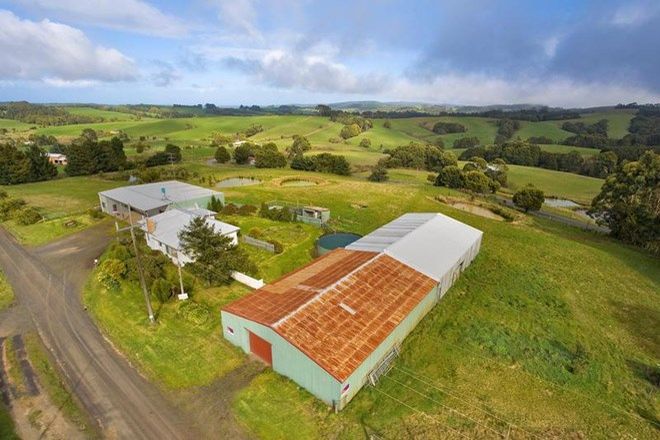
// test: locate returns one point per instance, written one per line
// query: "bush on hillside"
(529, 199)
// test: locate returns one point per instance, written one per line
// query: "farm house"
(162, 231)
(336, 324)
(150, 199)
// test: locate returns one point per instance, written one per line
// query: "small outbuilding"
(338, 323)
(151, 199)
(57, 159)
(315, 215)
(162, 231)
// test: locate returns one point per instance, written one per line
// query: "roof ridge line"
(327, 289)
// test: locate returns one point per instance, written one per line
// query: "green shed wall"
(360, 376)
(287, 359)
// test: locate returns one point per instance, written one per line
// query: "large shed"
(337, 322)
(151, 199)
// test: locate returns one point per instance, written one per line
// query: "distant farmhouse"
(337, 323)
(57, 159)
(154, 198)
(162, 231)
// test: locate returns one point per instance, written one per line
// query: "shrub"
(477, 181)
(28, 216)
(387, 124)
(379, 174)
(365, 143)
(278, 248)
(110, 273)
(161, 289)
(448, 127)
(349, 131)
(222, 155)
(466, 142)
(95, 213)
(267, 158)
(256, 232)
(451, 177)
(529, 199)
(246, 210)
(8, 206)
(230, 209)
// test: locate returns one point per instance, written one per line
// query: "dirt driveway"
(47, 283)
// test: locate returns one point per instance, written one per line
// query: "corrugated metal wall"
(291, 362)
(287, 359)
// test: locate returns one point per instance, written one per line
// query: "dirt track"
(47, 282)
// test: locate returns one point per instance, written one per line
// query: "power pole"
(143, 283)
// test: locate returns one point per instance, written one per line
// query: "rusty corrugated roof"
(274, 301)
(339, 308)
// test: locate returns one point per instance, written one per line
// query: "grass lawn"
(538, 321)
(62, 202)
(64, 196)
(107, 115)
(581, 189)
(6, 293)
(6, 424)
(555, 148)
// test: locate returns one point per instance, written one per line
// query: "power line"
(578, 394)
(445, 406)
(421, 412)
(490, 413)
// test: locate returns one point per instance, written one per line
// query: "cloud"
(306, 71)
(239, 16)
(126, 15)
(57, 52)
(165, 75)
(480, 89)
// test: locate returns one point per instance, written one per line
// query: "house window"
(230, 330)
(346, 388)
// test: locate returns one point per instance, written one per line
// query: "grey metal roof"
(431, 243)
(170, 223)
(150, 195)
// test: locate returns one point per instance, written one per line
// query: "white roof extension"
(150, 195)
(169, 224)
(430, 243)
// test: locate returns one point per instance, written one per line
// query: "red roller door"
(261, 348)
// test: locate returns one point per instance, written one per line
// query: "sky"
(575, 53)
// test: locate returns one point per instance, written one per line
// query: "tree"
(387, 124)
(477, 181)
(267, 158)
(243, 153)
(174, 153)
(299, 146)
(214, 256)
(215, 204)
(466, 142)
(378, 174)
(629, 203)
(222, 155)
(365, 143)
(40, 167)
(303, 163)
(529, 199)
(349, 131)
(448, 127)
(451, 177)
(324, 110)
